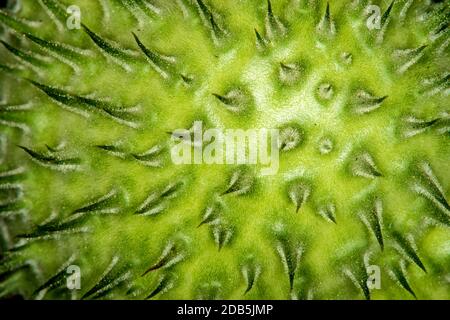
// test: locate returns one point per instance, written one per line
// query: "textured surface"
(87, 177)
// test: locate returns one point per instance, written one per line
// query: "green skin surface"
(263, 223)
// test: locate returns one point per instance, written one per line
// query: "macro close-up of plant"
(235, 149)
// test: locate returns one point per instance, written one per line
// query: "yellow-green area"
(263, 220)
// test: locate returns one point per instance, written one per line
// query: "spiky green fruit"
(361, 102)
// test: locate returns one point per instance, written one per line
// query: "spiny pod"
(206, 149)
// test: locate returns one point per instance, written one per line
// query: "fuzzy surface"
(86, 176)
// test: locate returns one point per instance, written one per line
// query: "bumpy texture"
(87, 179)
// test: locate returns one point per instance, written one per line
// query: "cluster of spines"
(240, 182)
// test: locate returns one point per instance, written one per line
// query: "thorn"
(269, 9)
(222, 98)
(260, 40)
(387, 13)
